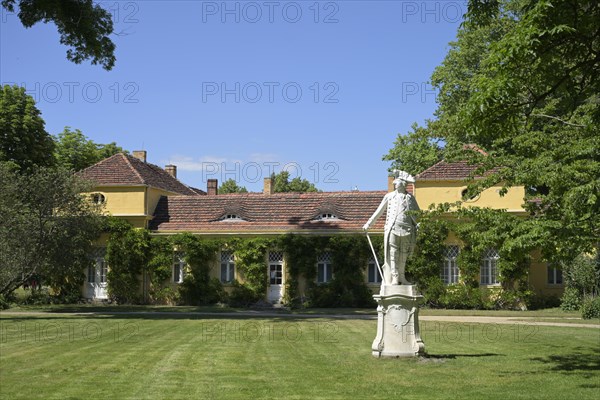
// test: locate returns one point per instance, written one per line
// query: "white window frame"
(275, 268)
(91, 273)
(178, 268)
(373, 272)
(227, 270)
(489, 268)
(103, 267)
(325, 264)
(450, 272)
(552, 274)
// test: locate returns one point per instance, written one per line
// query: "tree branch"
(558, 119)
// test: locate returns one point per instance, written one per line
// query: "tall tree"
(74, 151)
(83, 26)
(231, 186)
(23, 138)
(282, 183)
(46, 228)
(522, 82)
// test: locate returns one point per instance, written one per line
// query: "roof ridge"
(98, 163)
(134, 169)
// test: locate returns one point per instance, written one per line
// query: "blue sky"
(238, 89)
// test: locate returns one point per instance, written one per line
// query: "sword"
(375, 257)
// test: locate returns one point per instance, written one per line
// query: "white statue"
(400, 231)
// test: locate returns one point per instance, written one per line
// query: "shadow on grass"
(581, 362)
(455, 356)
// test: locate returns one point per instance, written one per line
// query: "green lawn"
(54, 356)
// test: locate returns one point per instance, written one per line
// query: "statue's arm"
(380, 210)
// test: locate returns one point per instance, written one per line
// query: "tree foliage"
(83, 26)
(414, 152)
(23, 138)
(282, 183)
(231, 186)
(74, 151)
(521, 82)
(46, 228)
(534, 105)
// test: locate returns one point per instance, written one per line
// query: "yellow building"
(151, 197)
(445, 182)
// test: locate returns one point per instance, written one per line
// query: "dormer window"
(232, 217)
(98, 198)
(324, 216)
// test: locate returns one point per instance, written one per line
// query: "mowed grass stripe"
(176, 358)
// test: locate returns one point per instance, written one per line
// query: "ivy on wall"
(127, 255)
(350, 255)
(132, 251)
(477, 229)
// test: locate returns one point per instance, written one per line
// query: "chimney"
(171, 170)
(140, 155)
(391, 184)
(212, 187)
(268, 186)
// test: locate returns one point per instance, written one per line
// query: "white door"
(275, 292)
(96, 280)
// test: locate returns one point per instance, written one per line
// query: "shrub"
(4, 304)
(242, 296)
(39, 297)
(590, 308)
(571, 299)
(539, 301)
(164, 295)
(461, 297)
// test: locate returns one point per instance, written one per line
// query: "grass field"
(54, 356)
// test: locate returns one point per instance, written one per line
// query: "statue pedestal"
(398, 322)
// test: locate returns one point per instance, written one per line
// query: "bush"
(4, 304)
(590, 308)
(461, 296)
(571, 299)
(164, 295)
(539, 302)
(242, 296)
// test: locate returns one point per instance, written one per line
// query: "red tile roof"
(123, 169)
(279, 212)
(445, 171)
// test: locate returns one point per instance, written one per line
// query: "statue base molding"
(398, 322)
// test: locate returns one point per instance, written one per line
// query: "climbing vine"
(349, 258)
(250, 256)
(477, 230)
(127, 255)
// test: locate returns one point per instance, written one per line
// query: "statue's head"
(402, 178)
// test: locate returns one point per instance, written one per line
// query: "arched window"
(489, 267)
(450, 266)
(98, 198)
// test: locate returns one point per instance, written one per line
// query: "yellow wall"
(136, 204)
(153, 198)
(538, 277)
(123, 200)
(437, 192)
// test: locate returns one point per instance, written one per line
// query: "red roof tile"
(123, 169)
(267, 213)
(444, 171)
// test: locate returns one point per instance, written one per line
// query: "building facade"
(153, 198)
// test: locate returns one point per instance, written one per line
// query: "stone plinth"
(398, 322)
